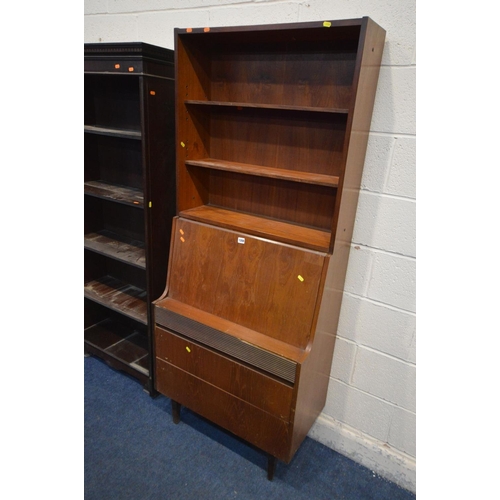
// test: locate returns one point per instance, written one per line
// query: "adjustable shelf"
(121, 194)
(113, 132)
(129, 186)
(280, 107)
(273, 173)
(272, 126)
(117, 247)
(118, 296)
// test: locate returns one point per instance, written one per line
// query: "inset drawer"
(258, 389)
(256, 426)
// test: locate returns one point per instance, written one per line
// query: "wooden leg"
(271, 467)
(176, 412)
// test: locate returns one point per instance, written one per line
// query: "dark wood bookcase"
(272, 124)
(129, 180)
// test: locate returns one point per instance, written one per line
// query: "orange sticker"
(117, 66)
(152, 92)
(182, 239)
(131, 69)
(188, 30)
(206, 30)
(181, 231)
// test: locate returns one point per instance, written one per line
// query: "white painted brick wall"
(370, 411)
(401, 179)
(120, 29)
(358, 409)
(380, 217)
(392, 281)
(345, 356)
(395, 103)
(255, 12)
(402, 432)
(378, 162)
(158, 27)
(375, 325)
(385, 377)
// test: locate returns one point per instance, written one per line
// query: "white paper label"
(241, 240)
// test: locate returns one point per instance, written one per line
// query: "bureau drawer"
(250, 385)
(256, 426)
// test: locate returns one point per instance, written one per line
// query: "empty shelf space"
(274, 173)
(280, 107)
(108, 191)
(117, 247)
(118, 296)
(114, 132)
(120, 342)
(314, 239)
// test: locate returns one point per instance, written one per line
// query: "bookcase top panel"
(128, 50)
(294, 28)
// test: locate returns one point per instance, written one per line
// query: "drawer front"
(247, 384)
(258, 427)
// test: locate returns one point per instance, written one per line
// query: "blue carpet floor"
(133, 450)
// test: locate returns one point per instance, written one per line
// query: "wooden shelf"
(279, 107)
(292, 234)
(117, 247)
(114, 132)
(273, 173)
(121, 194)
(118, 296)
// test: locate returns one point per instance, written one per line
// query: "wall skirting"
(369, 452)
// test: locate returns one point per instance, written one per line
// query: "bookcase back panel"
(291, 140)
(114, 160)
(312, 74)
(276, 285)
(97, 266)
(122, 220)
(112, 102)
(304, 204)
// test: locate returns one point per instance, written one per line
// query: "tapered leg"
(271, 467)
(176, 412)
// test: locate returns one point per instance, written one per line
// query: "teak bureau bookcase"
(129, 178)
(272, 125)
